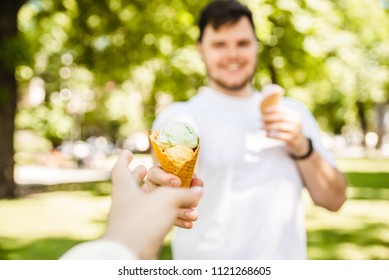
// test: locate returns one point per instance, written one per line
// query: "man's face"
(230, 56)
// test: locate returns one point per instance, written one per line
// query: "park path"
(44, 175)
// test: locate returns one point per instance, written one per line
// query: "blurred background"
(80, 80)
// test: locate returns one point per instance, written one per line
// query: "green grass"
(367, 179)
(360, 230)
(364, 165)
(44, 225)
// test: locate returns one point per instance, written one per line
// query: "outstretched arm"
(138, 221)
(325, 183)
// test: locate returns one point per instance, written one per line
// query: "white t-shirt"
(252, 206)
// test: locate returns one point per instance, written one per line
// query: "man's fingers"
(180, 197)
(273, 117)
(188, 214)
(159, 177)
(188, 198)
(183, 223)
(279, 113)
(281, 126)
(284, 136)
(197, 182)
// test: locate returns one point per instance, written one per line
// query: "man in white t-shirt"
(253, 165)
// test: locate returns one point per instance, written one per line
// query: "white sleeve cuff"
(101, 249)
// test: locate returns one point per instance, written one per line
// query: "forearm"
(325, 183)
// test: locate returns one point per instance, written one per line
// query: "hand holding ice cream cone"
(272, 95)
(176, 146)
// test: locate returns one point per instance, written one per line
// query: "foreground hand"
(156, 177)
(285, 124)
(141, 220)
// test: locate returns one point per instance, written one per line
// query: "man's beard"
(236, 87)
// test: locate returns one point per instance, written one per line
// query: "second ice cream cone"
(271, 96)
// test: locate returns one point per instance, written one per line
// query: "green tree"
(10, 56)
(123, 46)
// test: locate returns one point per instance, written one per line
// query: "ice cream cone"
(271, 96)
(184, 170)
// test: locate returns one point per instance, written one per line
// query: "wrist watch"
(307, 154)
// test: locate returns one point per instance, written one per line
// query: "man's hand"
(141, 220)
(156, 177)
(285, 124)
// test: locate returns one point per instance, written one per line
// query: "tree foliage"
(111, 64)
(107, 53)
(118, 57)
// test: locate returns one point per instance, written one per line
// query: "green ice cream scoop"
(177, 133)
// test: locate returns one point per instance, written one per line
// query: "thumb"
(125, 157)
(122, 178)
(121, 165)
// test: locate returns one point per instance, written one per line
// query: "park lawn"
(44, 225)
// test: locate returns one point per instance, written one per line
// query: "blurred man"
(253, 165)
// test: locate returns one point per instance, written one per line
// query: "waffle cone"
(270, 100)
(183, 171)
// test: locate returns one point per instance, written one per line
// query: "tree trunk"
(8, 97)
(380, 112)
(273, 75)
(362, 120)
(7, 128)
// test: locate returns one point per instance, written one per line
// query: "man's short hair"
(221, 12)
